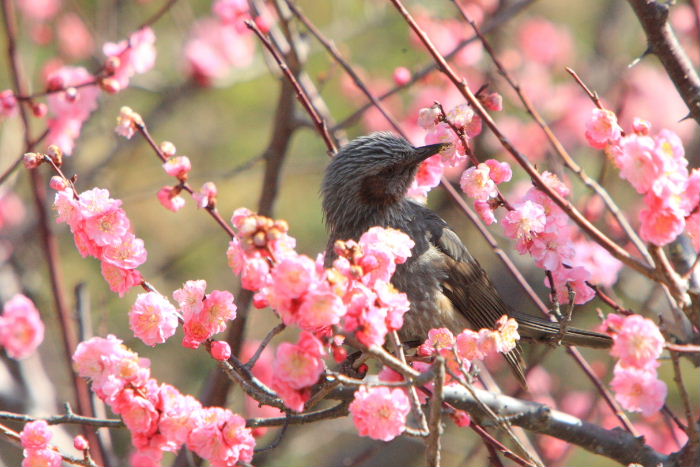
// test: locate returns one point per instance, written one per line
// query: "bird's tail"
(547, 331)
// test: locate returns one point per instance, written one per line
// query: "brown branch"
(432, 451)
(158, 14)
(301, 94)
(691, 428)
(66, 419)
(662, 42)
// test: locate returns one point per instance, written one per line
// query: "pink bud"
(55, 82)
(58, 183)
(461, 418)
(402, 75)
(111, 64)
(264, 23)
(39, 109)
(220, 350)
(493, 101)
(80, 443)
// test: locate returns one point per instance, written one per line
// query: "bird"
(365, 185)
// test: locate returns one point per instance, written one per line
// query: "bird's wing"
(469, 288)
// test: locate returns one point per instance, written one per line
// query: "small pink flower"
(379, 412)
(468, 345)
(464, 117)
(602, 129)
(427, 177)
(190, 297)
(95, 202)
(499, 171)
(493, 101)
(661, 221)
(508, 330)
(402, 75)
(170, 198)
(152, 318)
(120, 280)
(398, 243)
(576, 277)
(135, 56)
(438, 339)
(206, 196)
(232, 12)
(524, 221)
(293, 276)
(36, 435)
(483, 209)
(476, 182)
(638, 342)
(178, 167)
(635, 156)
(129, 254)
(220, 350)
(638, 390)
(320, 308)
(453, 154)
(428, 117)
(128, 122)
(203, 322)
(21, 328)
(58, 183)
(107, 228)
(299, 365)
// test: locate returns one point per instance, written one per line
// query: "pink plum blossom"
(379, 412)
(120, 280)
(528, 218)
(35, 435)
(135, 56)
(638, 390)
(8, 103)
(21, 327)
(293, 276)
(602, 129)
(401, 75)
(476, 182)
(299, 365)
(42, 458)
(638, 342)
(206, 196)
(178, 167)
(485, 212)
(152, 318)
(220, 350)
(170, 198)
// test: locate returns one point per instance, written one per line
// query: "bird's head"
(371, 173)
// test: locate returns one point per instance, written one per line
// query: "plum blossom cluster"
(638, 344)
(656, 166)
(480, 183)
(102, 229)
(455, 127)
(73, 91)
(35, 438)
(204, 314)
(380, 412)
(354, 294)
(221, 43)
(21, 327)
(459, 352)
(542, 229)
(159, 417)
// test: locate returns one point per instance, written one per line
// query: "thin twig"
(301, 94)
(432, 449)
(270, 335)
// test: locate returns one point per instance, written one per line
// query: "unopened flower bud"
(220, 350)
(39, 109)
(71, 94)
(168, 148)
(32, 160)
(58, 183)
(56, 154)
(110, 85)
(55, 82)
(80, 443)
(259, 239)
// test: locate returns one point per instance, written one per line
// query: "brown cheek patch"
(374, 191)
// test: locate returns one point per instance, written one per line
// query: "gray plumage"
(365, 185)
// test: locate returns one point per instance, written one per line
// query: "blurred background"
(214, 94)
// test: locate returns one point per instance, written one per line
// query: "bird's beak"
(423, 152)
